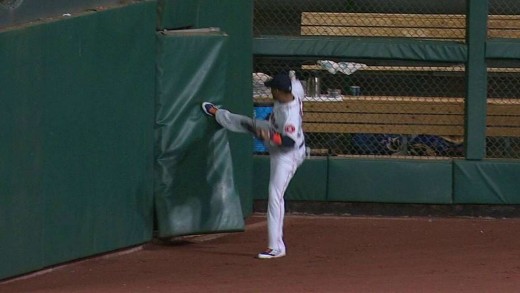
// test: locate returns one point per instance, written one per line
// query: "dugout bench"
(438, 116)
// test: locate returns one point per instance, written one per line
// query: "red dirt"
(325, 254)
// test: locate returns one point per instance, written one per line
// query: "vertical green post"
(476, 76)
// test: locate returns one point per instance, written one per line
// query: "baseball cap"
(280, 81)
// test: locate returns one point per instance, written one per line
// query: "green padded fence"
(308, 184)
(194, 185)
(15, 12)
(76, 121)
(395, 181)
(234, 18)
(486, 182)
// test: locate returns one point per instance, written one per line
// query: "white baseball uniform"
(286, 119)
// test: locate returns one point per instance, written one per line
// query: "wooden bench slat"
(429, 26)
(431, 33)
(405, 129)
(408, 108)
(503, 109)
(507, 33)
(383, 129)
(384, 118)
(399, 118)
(495, 21)
(411, 130)
(503, 131)
(385, 20)
(509, 121)
(383, 107)
(503, 21)
(407, 115)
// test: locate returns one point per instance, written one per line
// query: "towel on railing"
(344, 67)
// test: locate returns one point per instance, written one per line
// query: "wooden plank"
(503, 131)
(403, 107)
(387, 118)
(508, 121)
(383, 19)
(496, 21)
(507, 33)
(405, 129)
(430, 33)
(399, 118)
(431, 26)
(383, 128)
(263, 101)
(492, 121)
(406, 115)
(503, 109)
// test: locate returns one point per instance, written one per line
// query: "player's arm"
(276, 138)
(281, 140)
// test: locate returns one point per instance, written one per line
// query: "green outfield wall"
(397, 181)
(76, 123)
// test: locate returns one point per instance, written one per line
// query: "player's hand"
(263, 134)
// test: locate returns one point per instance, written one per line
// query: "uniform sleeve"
(287, 134)
(282, 140)
(291, 127)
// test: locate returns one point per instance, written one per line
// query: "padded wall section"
(309, 182)
(195, 188)
(261, 177)
(503, 48)
(76, 118)
(393, 181)
(486, 182)
(235, 18)
(376, 48)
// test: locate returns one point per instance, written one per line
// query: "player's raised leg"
(233, 122)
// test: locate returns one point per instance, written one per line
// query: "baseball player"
(284, 138)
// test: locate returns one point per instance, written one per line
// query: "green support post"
(476, 76)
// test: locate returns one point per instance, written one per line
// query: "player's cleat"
(209, 109)
(271, 253)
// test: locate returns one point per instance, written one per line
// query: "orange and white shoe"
(271, 253)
